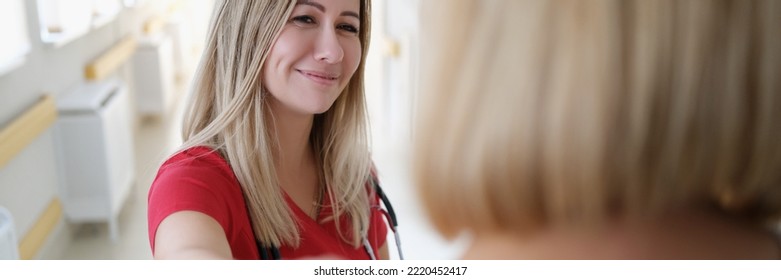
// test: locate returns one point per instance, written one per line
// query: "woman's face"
(315, 55)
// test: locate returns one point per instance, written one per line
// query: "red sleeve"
(196, 182)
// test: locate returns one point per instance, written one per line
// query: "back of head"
(536, 113)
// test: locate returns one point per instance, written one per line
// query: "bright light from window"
(65, 20)
(14, 33)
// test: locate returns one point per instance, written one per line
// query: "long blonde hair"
(228, 112)
(537, 113)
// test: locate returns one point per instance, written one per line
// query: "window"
(104, 11)
(63, 21)
(14, 33)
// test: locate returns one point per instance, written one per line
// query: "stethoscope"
(272, 252)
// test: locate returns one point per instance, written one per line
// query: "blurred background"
(91, 103)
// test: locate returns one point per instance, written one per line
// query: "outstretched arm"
(191, 235)
(384, 255)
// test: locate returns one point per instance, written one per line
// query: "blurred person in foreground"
(602, 129)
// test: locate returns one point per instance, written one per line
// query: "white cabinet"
(154, 75)
(95, 152)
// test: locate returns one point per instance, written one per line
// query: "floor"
(158, 137)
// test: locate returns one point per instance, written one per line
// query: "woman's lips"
(320, 77)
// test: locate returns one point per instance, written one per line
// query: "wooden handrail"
(36, 237)
(26, 128)
(153, 25)
(110, 60)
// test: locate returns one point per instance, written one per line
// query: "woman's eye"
(303, 19)
(348, 27)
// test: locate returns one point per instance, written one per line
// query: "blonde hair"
(228, 112)
(537, 113)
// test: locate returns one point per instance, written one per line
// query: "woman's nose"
(328, 49)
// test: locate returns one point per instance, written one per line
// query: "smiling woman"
(276, 159)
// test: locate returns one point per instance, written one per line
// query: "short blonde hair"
(535, 113)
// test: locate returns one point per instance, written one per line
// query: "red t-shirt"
(199, 179)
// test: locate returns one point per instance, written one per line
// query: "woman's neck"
(684, 235)
(293, 143)
(291, 132)
(294, 159)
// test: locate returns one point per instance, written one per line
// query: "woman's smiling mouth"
(320, 77)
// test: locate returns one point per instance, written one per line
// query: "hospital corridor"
(92, 98)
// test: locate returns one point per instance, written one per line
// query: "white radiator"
(154, 75)
(95, 152)
(9, 247)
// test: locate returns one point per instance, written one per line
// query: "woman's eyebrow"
(322, 8)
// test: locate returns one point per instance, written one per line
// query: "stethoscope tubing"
(272, 253)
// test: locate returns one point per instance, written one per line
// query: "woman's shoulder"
(197, 162)
(197, 179)
(197, 156)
